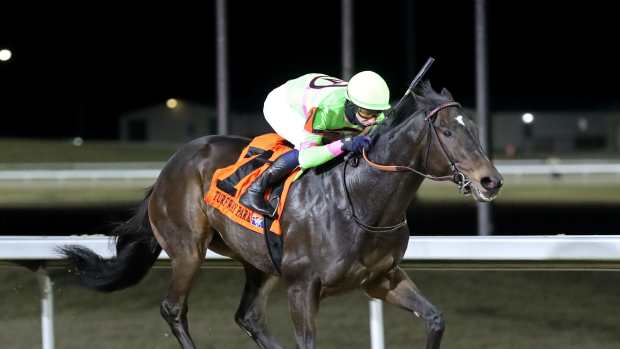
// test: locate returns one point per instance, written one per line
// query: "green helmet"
(368, 90)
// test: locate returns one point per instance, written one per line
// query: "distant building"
(551, 132)
(182, 121)
(557, 132)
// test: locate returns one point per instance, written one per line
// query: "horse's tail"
(136, 251)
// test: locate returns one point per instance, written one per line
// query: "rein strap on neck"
(366, 227)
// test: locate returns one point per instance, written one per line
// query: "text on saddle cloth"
(229, 183)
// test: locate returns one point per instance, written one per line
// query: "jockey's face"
(367, 117)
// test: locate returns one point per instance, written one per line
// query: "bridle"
(457, 176)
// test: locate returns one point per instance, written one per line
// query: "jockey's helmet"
(368, 90)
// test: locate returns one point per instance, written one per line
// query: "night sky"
(75, 70)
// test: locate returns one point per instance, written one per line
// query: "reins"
(399, 168)
(368, 228)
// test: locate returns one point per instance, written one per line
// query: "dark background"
(424, 219)
(75, 70)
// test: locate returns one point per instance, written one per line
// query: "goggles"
(367, 113)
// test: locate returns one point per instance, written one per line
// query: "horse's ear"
(446, 93)
(423, 88)
(418, 99)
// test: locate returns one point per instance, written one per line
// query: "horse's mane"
(423, 98)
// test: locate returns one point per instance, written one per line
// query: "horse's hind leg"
(251, 312)
(174, 307)
(182, 230)
(396, 288)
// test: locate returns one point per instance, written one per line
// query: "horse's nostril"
(490, 183)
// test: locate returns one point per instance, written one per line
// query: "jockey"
(305, 110)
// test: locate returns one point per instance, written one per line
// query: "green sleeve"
(320, 120)
(314, 156)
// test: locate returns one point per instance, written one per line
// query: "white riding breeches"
(286, 121)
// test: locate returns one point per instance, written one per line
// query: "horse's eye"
(447, 133)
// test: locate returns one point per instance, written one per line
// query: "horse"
(344, 226)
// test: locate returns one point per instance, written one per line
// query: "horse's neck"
(387, 194)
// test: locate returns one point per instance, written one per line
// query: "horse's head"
(447, 142)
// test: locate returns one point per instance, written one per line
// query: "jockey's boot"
(254, 197)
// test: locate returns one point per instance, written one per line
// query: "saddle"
(229, 183)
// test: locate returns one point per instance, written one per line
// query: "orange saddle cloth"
(229, 183)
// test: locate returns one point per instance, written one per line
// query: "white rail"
(584, 248)
(505, 167)
(558, 169)
(584, 252)
(69, 174)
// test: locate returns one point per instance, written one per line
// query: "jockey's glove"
(356, 144)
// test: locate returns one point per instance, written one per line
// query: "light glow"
(527, 118)
(172, 103)
(5, 54)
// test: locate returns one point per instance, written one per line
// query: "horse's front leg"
(303, 298)
(396, 288)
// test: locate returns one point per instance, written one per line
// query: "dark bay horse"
(343, 228)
